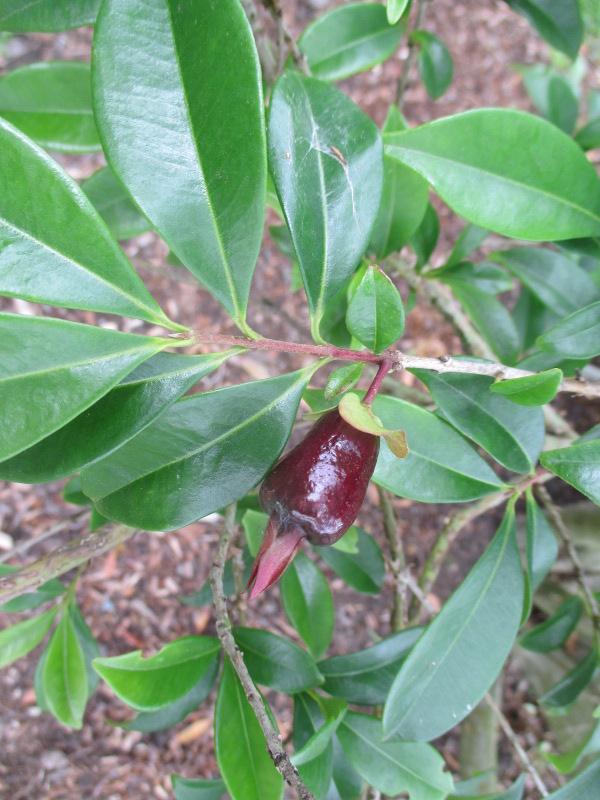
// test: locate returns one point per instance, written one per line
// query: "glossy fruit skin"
(321, 484)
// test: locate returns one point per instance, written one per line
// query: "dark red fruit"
(314, 492)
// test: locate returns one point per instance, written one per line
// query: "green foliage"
(375, 313)
(435, 63)
(308, 604)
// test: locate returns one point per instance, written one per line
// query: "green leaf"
(326, 160)
(349, 541)
(51, 102)
(404, 200)
(435, 688)
(532, 390)
(147, 684)
(150, 721)
(395, 9)
(47, 15)
(491, 319)
(72, 492)
(505, 170)
(560, 24)
(131, 406)
(254, 524)
(64, 678)
(308, 604)
(89, 646)
(441, 467)
(566, 691)
(470, 239)
(577, 336)
(487, 277)
(276, 662)
(201, 141)
(583, 787)
(588, 137)
(555, 631)
(435, 63)
(363, 570)
(552, 94)
(317, 743)
(18, 640)
(110, 199)
(360, 415)
(205, 452)
(30, 600)
(309, 719)
(342, 379)
(54, 248)
(554, 279)
(189, 789)
(365, 677)
(542, 547)
(425, 238)
(513, 436)
(578, 465)
(66, 366)
(349, 39)
(243, 760)
(414, 768)
(375, 314)
(567, 762)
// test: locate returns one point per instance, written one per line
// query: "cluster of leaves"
(197, 160)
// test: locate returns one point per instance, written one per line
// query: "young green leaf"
(51, 102)
(485, 276)
(414, 768)
(435, 689)
(361, 416)
(532, 390)
(243, 760)
(64, 678)
(498, 169)
(201, 141)
(147, 684)
(276, 662)
(555, 631)
(65, 365)
(558, 699)
(578, 465)
(206, 451)
(326, 160)
(395, 9)
(47, 15)
(349, 39)
(441, 467)
(114, 204)
(56, 249)
(424, 239)
(435, 63)
(17, 640)
(588, 137)
(308, 604)
(318, 742)
(375, 314)
(254, 524)
(560, 24)
(342, 379)
(577, 336)
(189, 789)
(89, 646)
(72, 492)
(470, 239)
(363, 570)
(117, 417)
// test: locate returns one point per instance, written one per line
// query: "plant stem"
(273, 739)
(383, 370)
(397, 560)
(263, 44)
(413, 50)
(23, 547)
(284, 34)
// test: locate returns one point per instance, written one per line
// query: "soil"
(129, 597)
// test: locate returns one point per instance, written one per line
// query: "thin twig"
(397, 560)
(512, 737)
(223, 625)
(413, 51)
(26, 545)
(284, 34)
(263, 45)
(238, 578)
(407, 579)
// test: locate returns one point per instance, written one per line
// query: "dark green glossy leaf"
(532, 390)
(205, 452)
(560, 24)
(308, 604)
(365, 677)
(513, 436)
(72, 492)
(566, 691)
(555, 280)
(17, 640)
(115, 206)
(116, 418)
(583, 787)
(342, 379)
(542, 547)
(203, 597)
(30, 600)
(47, 15)
(243, 760)
(404, 199)
(588, 137)
(552, 94)
(435, 63)
(147, 684)
(51, 102)
(578, 465)
(424, 239)
(487, 277)
(395, 768)
(276, 662)
(189, 789)
(38, 684)
(470, 239)
(308, 720)
(54, 248)
(441, 467)
(66, 366)
(346, 783)
(64, 678)
(555, 631)
(505, 170)
(375, 314)
(150, 721)
(349, 39)
(326, 161)
(395, 9)
(577, 336)
(435, 689)
(200, 141)
(363, 570)
(97, 520)
(89, 646)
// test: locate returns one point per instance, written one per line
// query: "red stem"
(384, 368)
